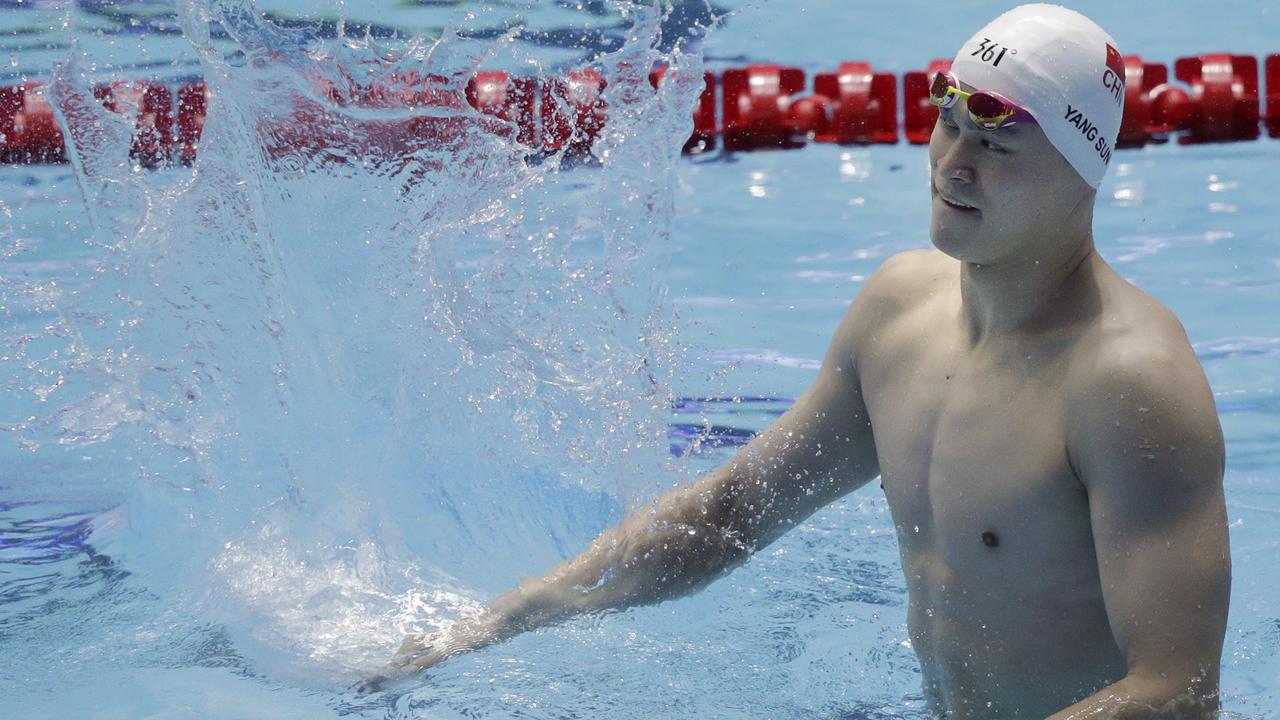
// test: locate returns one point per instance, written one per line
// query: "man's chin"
(960, 246)
(948, 243)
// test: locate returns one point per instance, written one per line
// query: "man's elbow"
(668, 560)
(705, 553)
(1173, 696)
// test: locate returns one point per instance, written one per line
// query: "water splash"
(363, 362)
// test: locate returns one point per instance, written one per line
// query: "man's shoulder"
(900, 283)
(1133, 333)
(911, 268)
(1136, 358)
(1137, 397)
(903, 280)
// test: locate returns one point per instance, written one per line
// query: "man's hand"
(426, 650)
(419, 652)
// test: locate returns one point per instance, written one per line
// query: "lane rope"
(1210, 98)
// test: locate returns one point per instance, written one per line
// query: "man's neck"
(1022, 295)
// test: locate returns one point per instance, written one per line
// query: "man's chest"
(973, 455)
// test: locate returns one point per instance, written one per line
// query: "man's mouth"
(955, 204)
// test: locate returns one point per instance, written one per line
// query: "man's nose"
(956, 163)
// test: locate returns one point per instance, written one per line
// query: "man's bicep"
(834, 411)
(1148, 448)
(819, 450)
(834, 407)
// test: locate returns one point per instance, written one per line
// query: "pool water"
(236, 470)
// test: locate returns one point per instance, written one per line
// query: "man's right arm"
(821, 449)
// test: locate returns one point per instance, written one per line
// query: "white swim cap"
(1061, 67)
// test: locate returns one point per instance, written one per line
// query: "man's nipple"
(990, 539)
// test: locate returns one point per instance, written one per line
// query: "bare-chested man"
(1044, 424)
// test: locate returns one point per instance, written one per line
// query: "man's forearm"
(674, 549)
(1135, 698)
(641, 561)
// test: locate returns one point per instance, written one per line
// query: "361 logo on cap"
(1113, 78)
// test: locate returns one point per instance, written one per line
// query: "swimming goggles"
(987, 109)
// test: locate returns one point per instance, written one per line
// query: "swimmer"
(1044, 434)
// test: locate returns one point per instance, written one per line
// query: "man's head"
(1030, 180)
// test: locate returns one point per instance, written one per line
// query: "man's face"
(1025, 193)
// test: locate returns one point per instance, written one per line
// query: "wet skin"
(1006, 611)
(983, 386)
(1046, 440)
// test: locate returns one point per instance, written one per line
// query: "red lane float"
(863, 105)
(496, 93)
(754, 106)
(573, 111)
(761, 106)
(853, 105)
(31, 134)
(918, 114)
(1273, 95)
(1152, 108)
(150, 106)
(342, 136)
(704, 118)
(703, 138)
(1224, 94)
(193, 106)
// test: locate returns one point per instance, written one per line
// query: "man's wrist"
(531, 604)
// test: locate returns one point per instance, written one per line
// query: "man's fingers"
(413, 644)
(417, 653)
(370, 685)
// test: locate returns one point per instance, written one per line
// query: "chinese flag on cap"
(1114, 61)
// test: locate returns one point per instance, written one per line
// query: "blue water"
(264, 416)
